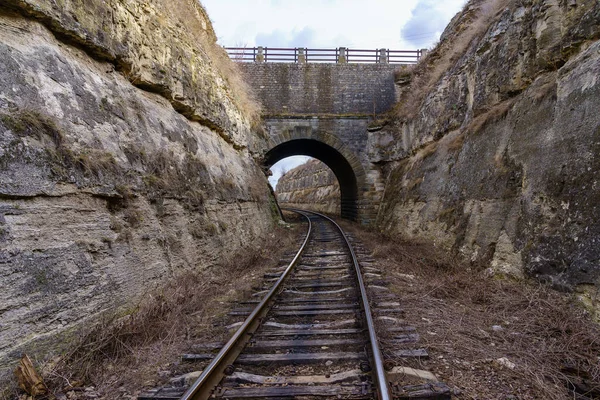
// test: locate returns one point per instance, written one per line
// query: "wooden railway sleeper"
(303, 327)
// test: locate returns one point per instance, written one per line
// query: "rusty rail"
(212, 374)
(382, 384)
(340, 55)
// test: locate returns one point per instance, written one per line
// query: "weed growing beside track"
(121, 354)
(490, 338)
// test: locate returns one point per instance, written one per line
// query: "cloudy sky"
(370, 24)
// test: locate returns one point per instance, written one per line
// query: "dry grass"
(33, 124)
(546, 86)
(427, 151)
(494, 114)
(191, 14)
(420, 154)
(456, 144)
(460, 35)
(549, 337)
(162, 172)
(97, 162)
(412, 184)
(127, 351)
(243, 97)
(91, 162)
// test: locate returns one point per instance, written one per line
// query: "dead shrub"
(202, 228)
(403, 74)
(97, 163)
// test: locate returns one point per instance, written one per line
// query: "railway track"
(310, 332)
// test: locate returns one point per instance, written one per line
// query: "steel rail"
(383, 388)
(199, 390)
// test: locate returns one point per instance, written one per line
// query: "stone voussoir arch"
(328, 148)
(307, 133)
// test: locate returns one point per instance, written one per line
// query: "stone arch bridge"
(323, 110)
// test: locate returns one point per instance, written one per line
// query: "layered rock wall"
(494, 150)
(124, 161)
(310, 186)
(160, 46)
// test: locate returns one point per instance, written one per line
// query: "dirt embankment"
(488, 337)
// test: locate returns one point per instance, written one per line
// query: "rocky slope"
(125, 160)
(493, 151)
(310, 186)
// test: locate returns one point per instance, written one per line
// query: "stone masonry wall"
(331, 103)
(322, 88)
(347, 135)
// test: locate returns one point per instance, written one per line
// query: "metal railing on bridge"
(340, 55)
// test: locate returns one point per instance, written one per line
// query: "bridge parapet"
(339, 55)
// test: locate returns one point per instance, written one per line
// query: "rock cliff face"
(158, 45)
(494, 151)
(124, 161)
(310, 186)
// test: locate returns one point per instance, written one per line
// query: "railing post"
(342, 56)
(382, 59)
(260, 57)
(301, 55)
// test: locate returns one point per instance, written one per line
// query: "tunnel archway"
(336, 161)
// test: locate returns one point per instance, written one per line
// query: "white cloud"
(283, 166)
(330, 23)
(428, 21)
(295, 38)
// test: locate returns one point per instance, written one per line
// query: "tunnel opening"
(331, 157)
(306, 183)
